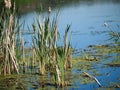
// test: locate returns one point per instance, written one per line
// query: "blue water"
(83, 18)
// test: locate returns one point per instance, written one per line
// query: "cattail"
(49, 10)
(7, 3)
(11, 22)
(14, 6)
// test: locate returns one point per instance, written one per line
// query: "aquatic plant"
(7, 39)
(114, 35)
(40, 41)
(48, 54)
(45, 52)
(44, 41)
(68, 49)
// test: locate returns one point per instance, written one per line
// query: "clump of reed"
(113, 34)
(50, 58)
(8, 39)
(48, 54)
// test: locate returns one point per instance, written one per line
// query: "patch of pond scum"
(101, 61)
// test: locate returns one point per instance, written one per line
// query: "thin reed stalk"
(67, 49)
(8, 40)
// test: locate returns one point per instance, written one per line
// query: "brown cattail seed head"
(49, 10)
(7, 3)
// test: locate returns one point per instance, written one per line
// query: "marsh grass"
(113, 34)
(47, 53)
(44, 51)
(8, 31)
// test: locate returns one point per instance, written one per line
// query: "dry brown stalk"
(7, 3)
(92, 77)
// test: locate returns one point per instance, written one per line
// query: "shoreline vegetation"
(25, 6)
(45, 53)
(45, 58)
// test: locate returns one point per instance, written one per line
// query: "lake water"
(84, 17)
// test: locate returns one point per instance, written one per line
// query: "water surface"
(84, 17)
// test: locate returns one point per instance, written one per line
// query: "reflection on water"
(42, 5)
